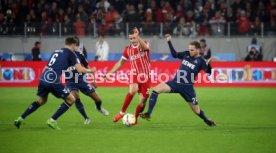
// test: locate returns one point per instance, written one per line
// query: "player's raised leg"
(160, 88)
(98, 103)
(196, 109)
(133, 89)
(32, 108)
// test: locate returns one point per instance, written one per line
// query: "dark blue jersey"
(71, 73)
(60, 60)
(190, 66)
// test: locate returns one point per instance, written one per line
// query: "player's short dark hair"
(78, 40)
(70, 41)
(202, 40)
(196, 44)
(131, 32)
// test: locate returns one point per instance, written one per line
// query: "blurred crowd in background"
(109, 17)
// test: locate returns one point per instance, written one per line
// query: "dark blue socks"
(80, 108)
(98, 105)
(202, 115)
(30, 109)
(152, 101)
(62, 109)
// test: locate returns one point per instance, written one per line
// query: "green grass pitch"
(245, 117)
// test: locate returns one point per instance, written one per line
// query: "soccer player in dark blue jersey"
(77, 81)
(192, 64)
(50, 82)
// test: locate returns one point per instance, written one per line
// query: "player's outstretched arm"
(172, 50)
(82, 69)
(116, 67)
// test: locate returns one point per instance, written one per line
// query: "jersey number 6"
(53, 59)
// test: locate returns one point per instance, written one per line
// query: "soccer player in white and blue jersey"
(183, 82)
(50, 82)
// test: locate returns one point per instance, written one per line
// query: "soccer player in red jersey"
(138, 53)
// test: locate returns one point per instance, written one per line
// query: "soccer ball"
(129, 119)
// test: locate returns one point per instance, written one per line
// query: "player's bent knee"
(133, 92)
(70, 99)
(41, 101)
(162, 88)
(158, 89)
(75, 94)
(195, 109)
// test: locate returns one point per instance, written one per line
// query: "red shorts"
(143, 84)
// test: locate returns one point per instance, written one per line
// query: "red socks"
(127, 102)
(139, 109)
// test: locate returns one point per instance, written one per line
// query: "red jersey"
(139, 58)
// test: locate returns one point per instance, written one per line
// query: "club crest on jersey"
(188, 64)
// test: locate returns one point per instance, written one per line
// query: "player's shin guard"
(30, 109)
(80, 108)
(62, 109)
(127, 102)
(152, 101)
(202, 115)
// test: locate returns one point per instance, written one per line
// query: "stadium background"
(244, 110)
